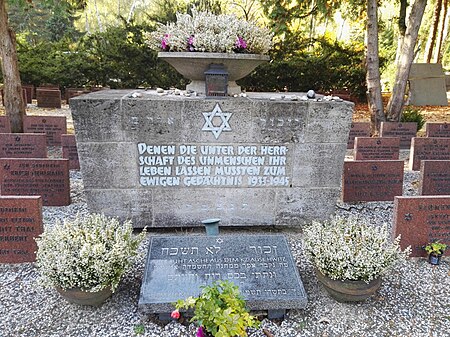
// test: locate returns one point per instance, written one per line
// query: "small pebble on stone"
(159, 90)
(311, 94)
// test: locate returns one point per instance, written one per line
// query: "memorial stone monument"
(166, 160)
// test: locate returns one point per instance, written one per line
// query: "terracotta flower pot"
(348, 290)
(82, 297)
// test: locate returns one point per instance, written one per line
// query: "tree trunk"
(443, 33)
(12, 88)
(396, 101)
(401, 28)
(373, 68)
(433, 31)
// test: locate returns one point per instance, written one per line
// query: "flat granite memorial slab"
(421, 220)
(52, 126)
(434, 177)
(261, 265)
(357, 129)
(405, 131)
(70, 151)
(5, 125)
(48, 178)
(437, 129)
(23, 145)
(21, 222)
(383, 148)
(423, 148)
(375, 180)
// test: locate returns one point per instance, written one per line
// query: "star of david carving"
(224, 117)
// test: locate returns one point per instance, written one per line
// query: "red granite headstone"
(20, 223)
(52, 126)
(405, 131)
(48, 178)
(29, 89)
(386, 148)
(69, 150)
(74, 92)
(48, 98)
(372, 180)
(357, 129)
(438, 129)
(434, 177)
(5, 125)
(421, 220)
(23, 145)
(437, 148)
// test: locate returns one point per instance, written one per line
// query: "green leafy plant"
(411, 114)
(435, 248)
(220, 310)
(344, 249)
(89, 253)
(139, 329)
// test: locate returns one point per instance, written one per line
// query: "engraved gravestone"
(434, 177)
(48, 98)
(29, 90)
(172, 161)
(69, 151)
(385, 148)
(422, 148)
(23, 145)
(405, 131)
(20, 223)
(48, 178)
(372, 180)
(52, 126)
(261, 265)
(437, 129)
(420, 220)
(357, 129)
(5, 125)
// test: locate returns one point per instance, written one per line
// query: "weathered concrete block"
(173, 161)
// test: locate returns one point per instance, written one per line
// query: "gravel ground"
(412, 301)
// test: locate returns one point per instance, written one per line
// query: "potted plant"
(435, 251)
(219, 311)
(85, 259)
(195, 41)
(350, 257)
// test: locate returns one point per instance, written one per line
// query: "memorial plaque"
(434, 177)
(20, 223)
(357, 129)
(405, 131)
(48, 98)
(421, 220)
(372, 180)
(428, 149)
(5, 125)
(70, 152)
(438, 129)
(48, 178)
(52, 126)
(386, 148)
(23, 145)
(261, 265)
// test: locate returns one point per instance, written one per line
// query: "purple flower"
(240, 43)
(165, 42)
(190, 43)
(200, 332)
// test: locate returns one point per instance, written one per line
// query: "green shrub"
(411, 114)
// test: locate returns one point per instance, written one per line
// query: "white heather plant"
(89, 253)
(207, 32)
(344, 249)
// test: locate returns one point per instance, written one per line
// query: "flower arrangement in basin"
(194, 42)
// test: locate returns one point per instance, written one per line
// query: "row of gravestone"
(30, 180)
(50, 96)
(404, 131)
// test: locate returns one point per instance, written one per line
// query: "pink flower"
(200, 332)
(165, 42)
(240, 43)
(175, 314)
